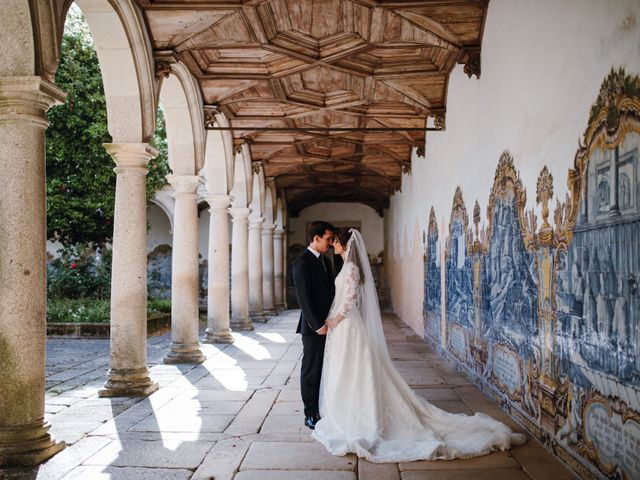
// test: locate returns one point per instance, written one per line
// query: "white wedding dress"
(366, 406)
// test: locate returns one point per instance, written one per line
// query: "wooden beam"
(327, 129)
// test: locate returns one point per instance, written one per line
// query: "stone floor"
(239, 416)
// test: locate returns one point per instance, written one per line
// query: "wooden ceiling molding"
(330, 95)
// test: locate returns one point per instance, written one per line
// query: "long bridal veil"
(369, 306)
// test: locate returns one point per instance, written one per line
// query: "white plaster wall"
(160, 231)
(542, 66)
(372, 224)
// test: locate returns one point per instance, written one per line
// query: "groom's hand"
(322, 331)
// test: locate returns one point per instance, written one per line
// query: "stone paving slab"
(444, 392)
(284, 424)
(223, 461)
(251, 417)
(200, 407)
(152, 453)
(295, 407)
(537, 462)
(294, 456)
(238, 416)
(377, 471)
(296, 475)
(489, 474)
(128, 473)
(188, 421)
(493, 460)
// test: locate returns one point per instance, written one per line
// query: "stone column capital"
(256, 223)
(218, 202)
(130, 157)
(184, 183)
(26, 99)
(268, 228)
(239, 213)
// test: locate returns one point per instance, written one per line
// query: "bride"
(366, 407)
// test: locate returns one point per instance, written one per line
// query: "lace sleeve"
(352, 288)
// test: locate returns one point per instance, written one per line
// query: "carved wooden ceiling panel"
(325, 92)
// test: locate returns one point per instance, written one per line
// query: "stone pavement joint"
(238, 416)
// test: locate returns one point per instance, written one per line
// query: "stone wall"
(524, 220)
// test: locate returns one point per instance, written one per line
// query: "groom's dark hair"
(318, 228)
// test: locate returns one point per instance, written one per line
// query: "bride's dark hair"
(343, 235)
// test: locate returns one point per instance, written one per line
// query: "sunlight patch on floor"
(250, 347)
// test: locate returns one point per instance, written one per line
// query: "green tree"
(80, 178)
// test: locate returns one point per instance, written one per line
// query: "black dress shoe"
(311, 421)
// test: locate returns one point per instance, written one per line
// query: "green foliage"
(89, 310)
(80, 178)
(158, 307)
(79, 273)
(78, 310)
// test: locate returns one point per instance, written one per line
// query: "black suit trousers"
(311, 372)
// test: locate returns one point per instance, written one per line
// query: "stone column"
(24, 437)
(285, 270)
(218, 330)
(184, 273)
(278, 270)
(240, 270)
(267, 270)
(256, 311)
(128, 375)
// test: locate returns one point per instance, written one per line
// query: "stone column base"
(243, 324)
(271, 312)
(258, 317)
(184, 353)
(28, 444)
(280, 307)
(128, 383)
(211, 336)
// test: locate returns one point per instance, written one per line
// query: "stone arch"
(219, 159)
(242, 191)
(259, 193)
(166, 204)
(270, 202)
(281, 213)
(184, 116)
(31, 41)
(161, 231)
(126, 64)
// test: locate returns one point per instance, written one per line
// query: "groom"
(313, 280)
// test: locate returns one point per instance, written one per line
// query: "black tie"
(322, 262)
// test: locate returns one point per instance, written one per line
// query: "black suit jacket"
(315, 291)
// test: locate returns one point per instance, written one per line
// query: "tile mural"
(432, 313)
(547, 319)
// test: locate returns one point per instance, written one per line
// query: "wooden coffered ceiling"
(321, 90)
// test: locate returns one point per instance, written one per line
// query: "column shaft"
(240, 270)
(24, 437)
(278, 269)
(256, 310)
(129, 375)
(268, 270)
(218, 330)
(184, 273)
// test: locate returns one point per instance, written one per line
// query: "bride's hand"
(331, 323)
